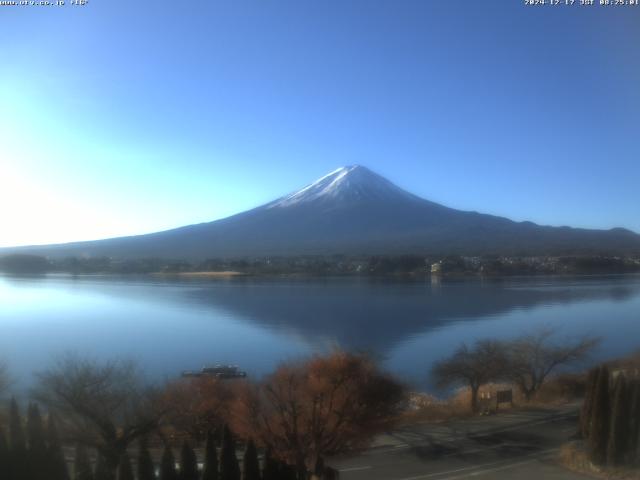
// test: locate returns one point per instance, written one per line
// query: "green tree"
(229, 468)
(168, 465)
(57, 463)
(125, 472)
(188, 463)
(146, 469)
(82, 464)
(37, 445)
(600, 419)
(4, 455)
(619, 430)
(587, 406)
(103, 471)
(250, 464)
(17, 444)
(270, 466)
(210, 459)
(288, 472)
(16, 431)
(634, 435)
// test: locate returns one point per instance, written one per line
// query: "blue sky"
(129, 117)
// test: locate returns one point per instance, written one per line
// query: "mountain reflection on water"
(170, 325)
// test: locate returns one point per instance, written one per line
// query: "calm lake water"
(168, 326)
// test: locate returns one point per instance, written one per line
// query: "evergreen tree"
(146, 469)
(250, 464)
(587, 405)
(600, 419)
(188, 463)
(125, 472)
(318, 470)
(270, 466)
(82, 464)
(210, 459)
(4, 456)
(16, 432)
(634, 427)
(229, 468)
(19, 466)
(57, 463)
(35, 431)
(102, 471)
(286, 471)
(619, 430)
(168, 465)
(37, 445)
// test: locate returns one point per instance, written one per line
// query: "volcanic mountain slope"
(352, 210)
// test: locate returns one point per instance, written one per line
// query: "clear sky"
(124, 117)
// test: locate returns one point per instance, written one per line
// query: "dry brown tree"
(533, 357)
(104, 406)
(326, 405)
(197, 406)
(472, 367)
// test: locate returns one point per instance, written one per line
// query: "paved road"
(519, 445)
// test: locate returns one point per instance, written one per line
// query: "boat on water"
(217, 371)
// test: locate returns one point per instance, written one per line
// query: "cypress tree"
(270, 466)
(634, 427)
(125, 472)
(19, 466)
(168, 465)
(16, 432)
(250, 464)
(82, 464)
(146, 469)
(4, 456)
(57, 463)
(188, 463)
(600, 419)
(286, 472)
(37, 445)
(210, 459)
(619, 431)
(35, 431)
(229, 468)
(318, 470)
(102, 471)
(587, 405)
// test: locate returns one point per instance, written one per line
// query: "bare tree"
(101, 405)
(473, 367)
(324, 406)
(534, 356)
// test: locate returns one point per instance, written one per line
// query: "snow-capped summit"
(351, 210)
(350, 183)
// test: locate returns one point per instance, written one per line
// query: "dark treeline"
(33, 451)
(115, 427)
(330, 265)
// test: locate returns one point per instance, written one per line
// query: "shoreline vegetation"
(335, 265)
(298, 416)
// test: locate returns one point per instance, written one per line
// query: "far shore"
(228, 273)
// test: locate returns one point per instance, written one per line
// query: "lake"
(171, 325)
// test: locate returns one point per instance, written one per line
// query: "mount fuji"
(352, 210)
